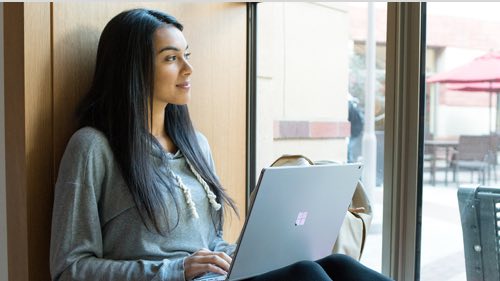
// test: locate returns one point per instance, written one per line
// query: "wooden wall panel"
(216, 33)
(38, 126)
(15, 169)
(28, 100)
(218, 94)
(49, 60)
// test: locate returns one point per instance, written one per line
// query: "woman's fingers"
(219, 259)
(225, 257)
(204, 261)
(222, 255)
(197, 269)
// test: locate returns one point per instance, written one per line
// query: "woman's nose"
(188, 68)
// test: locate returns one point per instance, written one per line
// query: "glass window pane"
(312, 91)
(461, 142)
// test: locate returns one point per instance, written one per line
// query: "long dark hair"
(117, 105)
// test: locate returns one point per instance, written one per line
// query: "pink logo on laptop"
(301, 218)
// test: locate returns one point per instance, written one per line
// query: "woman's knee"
(299, 271)
(343, 267)
(305, 267)
(339, 260)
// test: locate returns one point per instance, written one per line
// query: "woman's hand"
(204, 261)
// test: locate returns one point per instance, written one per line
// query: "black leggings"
(335, 267)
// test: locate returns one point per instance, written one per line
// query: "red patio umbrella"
(480, 75)
(485, 68)
(475, 87)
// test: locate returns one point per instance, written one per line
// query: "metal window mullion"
(251, 119)
(399, 254)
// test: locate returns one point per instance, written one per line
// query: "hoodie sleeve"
(76, 247)
(220, 245)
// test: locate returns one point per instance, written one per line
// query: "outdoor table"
(433, 145)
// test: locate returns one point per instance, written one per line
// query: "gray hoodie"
(97, 232)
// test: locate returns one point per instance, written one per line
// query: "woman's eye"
(187, 55)
(170, 58)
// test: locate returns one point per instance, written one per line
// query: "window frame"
(402, 195)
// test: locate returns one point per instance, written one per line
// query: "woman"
(137, 197)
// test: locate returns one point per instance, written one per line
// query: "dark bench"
(480, 215)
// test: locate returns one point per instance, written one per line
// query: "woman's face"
(172, 69)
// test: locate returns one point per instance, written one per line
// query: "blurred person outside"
(356, 118)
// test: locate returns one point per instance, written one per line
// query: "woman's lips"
(185, 85)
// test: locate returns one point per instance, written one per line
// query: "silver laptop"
(296, 215)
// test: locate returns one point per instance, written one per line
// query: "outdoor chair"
(493, 155)
(473, 154)
(480, 215)
(439, 158)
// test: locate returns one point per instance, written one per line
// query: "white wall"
(462, 120)
(302, 75)
(454, 57)
(3, 209)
